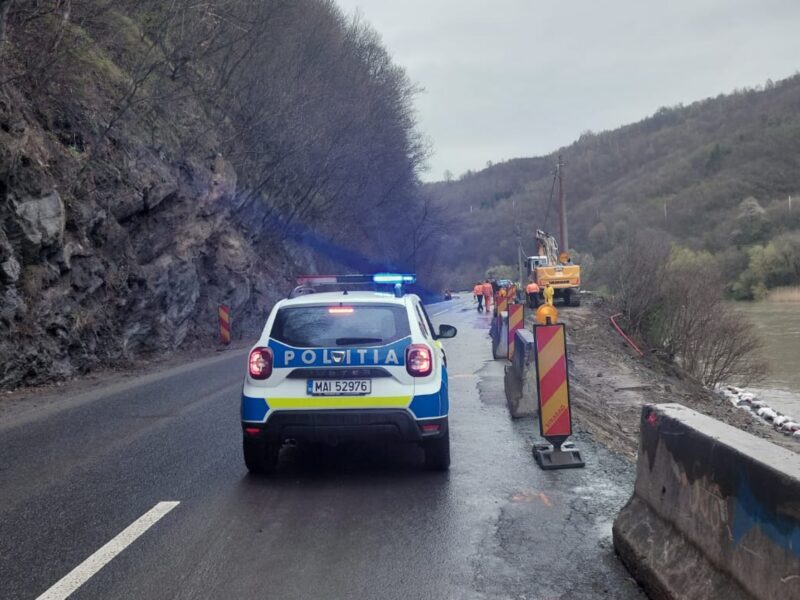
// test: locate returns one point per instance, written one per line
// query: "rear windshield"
(329, 326)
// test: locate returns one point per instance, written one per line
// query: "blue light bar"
(394, 278)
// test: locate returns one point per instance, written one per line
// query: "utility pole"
(563, 207)
(520, 257)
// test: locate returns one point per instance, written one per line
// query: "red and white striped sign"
(516, 320)
(224, 324)
(555, 419)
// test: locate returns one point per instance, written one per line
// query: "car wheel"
(437, 453)
(259, 457)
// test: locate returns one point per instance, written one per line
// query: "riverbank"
(778, 326)
(784, 294)
(609, 384)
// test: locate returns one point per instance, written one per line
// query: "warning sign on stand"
(552, 382)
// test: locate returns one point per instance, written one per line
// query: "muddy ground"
(609, 383)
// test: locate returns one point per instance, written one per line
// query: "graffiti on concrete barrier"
(750, 513)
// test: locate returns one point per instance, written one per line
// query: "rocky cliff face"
(136, 263)
(155, 156)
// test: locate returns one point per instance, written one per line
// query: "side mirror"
(447, 331)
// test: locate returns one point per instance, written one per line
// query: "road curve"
(80, 483)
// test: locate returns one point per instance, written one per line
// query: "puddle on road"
(490, 390)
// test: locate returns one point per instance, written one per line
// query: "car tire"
(259, 457)
(437, 453)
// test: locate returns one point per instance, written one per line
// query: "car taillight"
(260, 363)
(419, 361)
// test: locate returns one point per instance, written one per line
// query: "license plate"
(339, 387)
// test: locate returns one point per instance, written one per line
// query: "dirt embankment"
(609, 383)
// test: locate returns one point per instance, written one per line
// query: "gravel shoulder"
(609, 384)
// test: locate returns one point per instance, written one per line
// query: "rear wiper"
(350, 341)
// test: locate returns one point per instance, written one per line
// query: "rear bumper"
(332, 426)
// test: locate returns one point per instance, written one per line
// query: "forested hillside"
(159, 158)
(715, 176)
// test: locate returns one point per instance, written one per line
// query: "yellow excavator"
(550, 266)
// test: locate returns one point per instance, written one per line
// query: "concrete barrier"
(520, 377)
(715, 511)
(499, 335)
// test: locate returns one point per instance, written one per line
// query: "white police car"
(347, 365)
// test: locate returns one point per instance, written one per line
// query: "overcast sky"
(511, 78)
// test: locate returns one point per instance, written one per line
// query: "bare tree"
(678, 309)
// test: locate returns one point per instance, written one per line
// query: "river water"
(779, 326)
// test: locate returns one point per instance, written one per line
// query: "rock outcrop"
(136, 265)
(155, 157)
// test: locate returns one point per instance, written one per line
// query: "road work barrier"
(516, 320)
(501, 302)
(715, 511)
(552, 386)
(520, 378)
(224, 324)
(499, 335)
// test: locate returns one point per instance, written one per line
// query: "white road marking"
(441, 312)
(88, 568)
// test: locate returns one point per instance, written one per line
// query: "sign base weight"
(551, 457)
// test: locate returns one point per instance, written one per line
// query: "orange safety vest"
(487, 289)
(478, 290)
(532, 288)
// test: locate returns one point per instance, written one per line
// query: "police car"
(342, 365)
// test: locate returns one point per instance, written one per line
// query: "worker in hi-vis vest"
(487, 295)
(532, 293)
(477, 291)
(548, 294)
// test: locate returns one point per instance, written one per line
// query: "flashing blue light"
(394, 278)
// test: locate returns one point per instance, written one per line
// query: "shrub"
(673, 299)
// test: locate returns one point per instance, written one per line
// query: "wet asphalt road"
(351, 522)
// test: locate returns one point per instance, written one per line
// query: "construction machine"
(551, 267)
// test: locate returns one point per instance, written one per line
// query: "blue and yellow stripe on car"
(424, 406)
